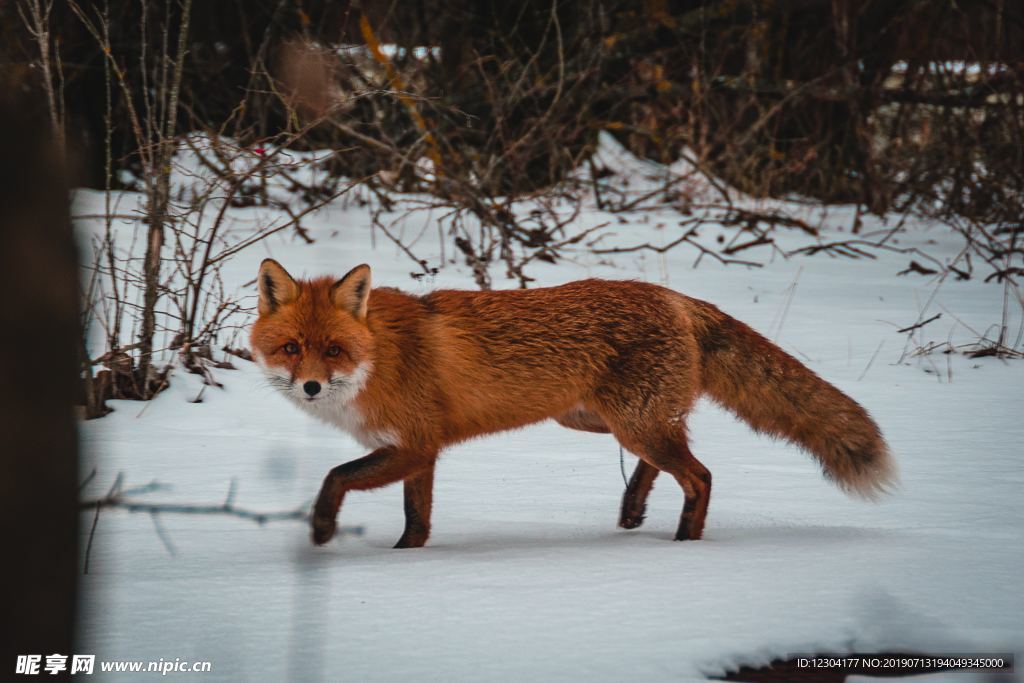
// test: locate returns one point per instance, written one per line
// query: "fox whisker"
(281, 383)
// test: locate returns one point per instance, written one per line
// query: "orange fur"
(411, 375)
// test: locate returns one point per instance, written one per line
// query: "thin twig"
(915, 326)
(870, 362)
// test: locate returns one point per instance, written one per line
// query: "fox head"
(311, 337)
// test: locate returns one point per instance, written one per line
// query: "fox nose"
(311, 388)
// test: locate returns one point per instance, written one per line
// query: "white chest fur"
(336, 405)
(347, 417)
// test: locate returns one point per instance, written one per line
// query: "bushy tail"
(778, 395)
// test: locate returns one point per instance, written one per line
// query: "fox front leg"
(380, 468)
(419, 494)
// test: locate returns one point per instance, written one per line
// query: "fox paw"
(411, 540)
(631, 520)
(323, 530)
(687, 532)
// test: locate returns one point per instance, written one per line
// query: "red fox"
(409, 375)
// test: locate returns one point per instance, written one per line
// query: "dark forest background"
(879, 102)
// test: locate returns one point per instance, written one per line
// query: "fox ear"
(351, 292)
(276, 286)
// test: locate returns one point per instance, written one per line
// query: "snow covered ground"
(526, 576)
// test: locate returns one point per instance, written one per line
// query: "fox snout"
(310, 389)
(306, 390)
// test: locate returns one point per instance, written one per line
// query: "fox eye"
(333, 350)
(291, 348)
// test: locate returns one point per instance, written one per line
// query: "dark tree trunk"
(38, 376)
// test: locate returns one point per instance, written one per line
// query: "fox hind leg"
(697, 486)
(672, 455)
(634, 500)
(661, 445)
